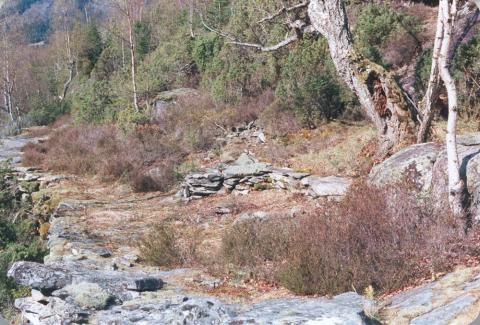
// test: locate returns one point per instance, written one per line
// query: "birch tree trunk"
(431, 94)
(133, 64)
(8, 84)
(459, 32)
(70, 65)
(379, 94)
(456, 186)
(191, 6)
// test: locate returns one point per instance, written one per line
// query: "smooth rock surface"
(344, 309)
(453, 299)
(422, 157)
(40, 277)
(330, 186)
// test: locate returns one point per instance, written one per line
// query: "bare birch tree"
(65, 16)
(456, 186)
(8, 84)
(131, 11)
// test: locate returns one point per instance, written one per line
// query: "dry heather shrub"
(251, 243)
(251, 108)
(107, 152)
(159, 247)
(167, 246)
(380, 237)
(149, 155)
(197, 118)
(387, 238)
(278, 120)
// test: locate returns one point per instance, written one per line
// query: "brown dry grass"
(332, 149)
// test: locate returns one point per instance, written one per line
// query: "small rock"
(295, 211)
(330, 186)
(29, 178)
(231, 182)
(261, 137)
(38, 296)
(145, 284)
(211, 284)
(227, 157)
(55, 312)
(131, 257)
(25, 170)
(105, 253)
(240, 192)
(241, 171)
(245, 159)
(26, 198)
(255, 216)
(89, 295)
(223, 210)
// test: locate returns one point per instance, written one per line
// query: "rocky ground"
(93, 273)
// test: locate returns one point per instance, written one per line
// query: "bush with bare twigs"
(387, 238)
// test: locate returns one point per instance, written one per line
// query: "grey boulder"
(39, 276)
(419, 158)
(426, 165)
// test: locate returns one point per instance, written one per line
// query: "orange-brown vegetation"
(386, 238)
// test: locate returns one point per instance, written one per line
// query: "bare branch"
(272, 48)
(213, 30)
(299, 26)
(282, 11)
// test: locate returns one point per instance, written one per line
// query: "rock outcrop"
(427, 165)
(343, 309)
(454, 299)
(168, 99)
(11, 148)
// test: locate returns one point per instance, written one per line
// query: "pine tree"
(91, 48)
(218, 12)
(142, 39)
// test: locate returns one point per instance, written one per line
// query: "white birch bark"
(133, 64)
(7, 82)
(431, 94)
(456, 186)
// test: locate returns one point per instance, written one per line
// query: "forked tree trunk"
(381, 97)
(459, 33)
(456, 186)
(431, 95)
